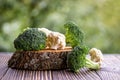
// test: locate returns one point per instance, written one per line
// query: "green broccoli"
(77, 59)
(30, 39)
(73, 34)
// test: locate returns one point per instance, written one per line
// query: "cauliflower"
(96, 55)
(55, 40)
(46, 31)
(77, 59)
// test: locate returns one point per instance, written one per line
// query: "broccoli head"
(73, 34)
(30, 39)
(77, 59)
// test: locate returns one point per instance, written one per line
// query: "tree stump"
(39, 60)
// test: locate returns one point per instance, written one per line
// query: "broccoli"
(30, 39)
(73, 34)
(77, 59)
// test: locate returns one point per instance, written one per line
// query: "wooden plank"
(84, 74)
(110, 68)
(47, 75)
(3, 64)
(50, 75)
(16, 75)
(117, 56)
(110, 71)
(27, 75)
(58, 75)
(105, 75)
(88, 74)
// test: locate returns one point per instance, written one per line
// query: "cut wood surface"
(110, 71)
(40, 60)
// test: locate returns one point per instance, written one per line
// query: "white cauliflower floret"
(46, 31)
(96, 55)
(56, 40)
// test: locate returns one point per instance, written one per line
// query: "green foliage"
(99, 19)
(73, 34)
(30, 39)
(77, 59)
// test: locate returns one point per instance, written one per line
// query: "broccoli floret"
(77, 59)
(30, 39)
(73, 34)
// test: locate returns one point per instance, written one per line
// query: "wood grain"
(110, 68)
(40, 60)
(3, 64)
(110, 71)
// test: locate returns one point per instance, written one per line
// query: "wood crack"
(98, 75)
(4, 73)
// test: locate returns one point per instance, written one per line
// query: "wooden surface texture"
(110, 71)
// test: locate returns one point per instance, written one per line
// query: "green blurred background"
(99, 19)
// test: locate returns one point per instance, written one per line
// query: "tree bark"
(39, 60)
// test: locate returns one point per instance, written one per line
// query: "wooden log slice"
(39, 60)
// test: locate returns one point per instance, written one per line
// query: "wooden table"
(110, 71)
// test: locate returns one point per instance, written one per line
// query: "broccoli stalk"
(77, 59)
(92, 65)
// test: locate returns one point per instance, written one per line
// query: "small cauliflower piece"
(46, 31)
(56, 40)
(96, 55)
